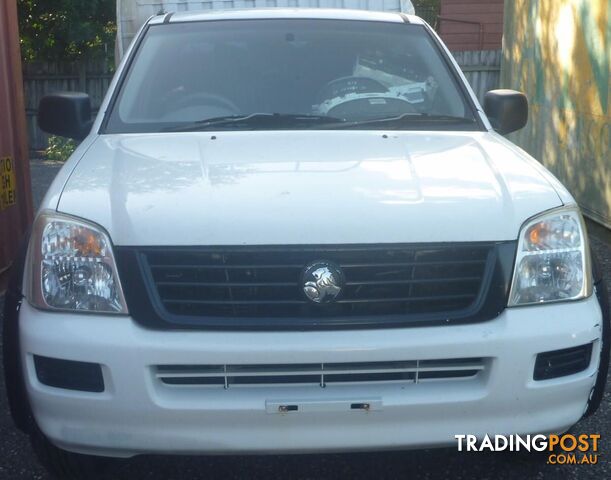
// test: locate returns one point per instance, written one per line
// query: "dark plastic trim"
(545, 370)
(507, 110)
(69, 374)
(67, 114)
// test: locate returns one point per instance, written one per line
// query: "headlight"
(553, 259)
(72, 266)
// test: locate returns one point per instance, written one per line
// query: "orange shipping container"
(15, 190)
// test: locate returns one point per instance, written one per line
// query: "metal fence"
(482, 69)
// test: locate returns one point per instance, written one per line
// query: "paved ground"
(17, 461)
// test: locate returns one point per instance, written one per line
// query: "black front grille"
(379, 281)
(262, 286)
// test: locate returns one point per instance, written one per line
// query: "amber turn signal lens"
(87, 243)
(537, 233)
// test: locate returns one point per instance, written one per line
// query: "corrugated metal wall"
(15, 196)
(558, 53)
(471, 24)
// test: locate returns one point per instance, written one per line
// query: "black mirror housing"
(67, 114)
(507, 110)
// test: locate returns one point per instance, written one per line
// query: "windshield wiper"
(287, 120)
(409, 119)
(255, 120)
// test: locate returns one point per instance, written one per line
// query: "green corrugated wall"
(557, 52)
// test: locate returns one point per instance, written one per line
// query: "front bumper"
(137, 414)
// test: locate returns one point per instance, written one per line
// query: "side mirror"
(67, 114)
(507, 110)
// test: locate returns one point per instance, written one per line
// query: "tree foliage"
(59, 148)
(427, 9)
(66, 29)
(432, 4)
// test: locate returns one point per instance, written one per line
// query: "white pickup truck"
(297, 231)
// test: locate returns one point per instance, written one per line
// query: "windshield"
(288, 74)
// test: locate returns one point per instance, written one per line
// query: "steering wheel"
(202, 98)
(345, 85)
